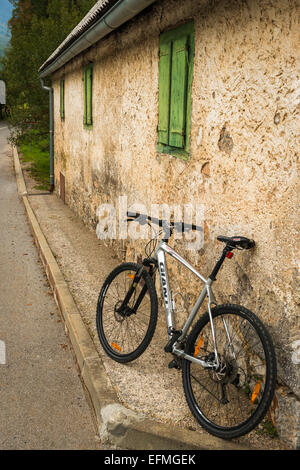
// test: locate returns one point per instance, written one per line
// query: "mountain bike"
(227, 357)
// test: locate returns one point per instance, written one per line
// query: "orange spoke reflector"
(114, 345)
(255, 391)
(198, 346)
(131, 276)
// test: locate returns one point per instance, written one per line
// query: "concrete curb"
(116, 424)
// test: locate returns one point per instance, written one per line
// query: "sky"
(5, 12)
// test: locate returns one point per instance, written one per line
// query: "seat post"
(219, 263)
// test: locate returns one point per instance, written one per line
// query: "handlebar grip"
(145, 217)
(133, 214)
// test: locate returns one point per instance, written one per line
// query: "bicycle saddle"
(237, 242)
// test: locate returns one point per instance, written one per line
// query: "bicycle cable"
(152, 244)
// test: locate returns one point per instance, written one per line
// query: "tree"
(37, 28)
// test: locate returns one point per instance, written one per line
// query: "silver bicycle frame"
(159, 255)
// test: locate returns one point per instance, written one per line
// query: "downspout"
(51, 131)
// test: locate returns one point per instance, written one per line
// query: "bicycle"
(227, 360)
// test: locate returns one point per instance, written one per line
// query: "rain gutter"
(119, 13)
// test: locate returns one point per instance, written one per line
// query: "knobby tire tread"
(258, 415)
(153, 316)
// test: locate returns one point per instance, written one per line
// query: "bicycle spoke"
(206, 389)
(124, 328)
(227, 396)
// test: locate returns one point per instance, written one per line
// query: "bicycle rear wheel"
(125, 334)
(231, 401)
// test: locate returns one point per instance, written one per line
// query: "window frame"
(88, 101)
(166, 39)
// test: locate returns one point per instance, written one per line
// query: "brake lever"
(141, 222)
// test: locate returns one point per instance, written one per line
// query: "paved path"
(42, 402)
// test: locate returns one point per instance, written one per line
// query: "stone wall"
(244, 146)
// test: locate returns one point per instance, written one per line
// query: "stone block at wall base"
(287, 419)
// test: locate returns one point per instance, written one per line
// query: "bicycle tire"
(117, 324)
(193, 387)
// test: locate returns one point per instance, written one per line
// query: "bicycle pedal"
(174, 364)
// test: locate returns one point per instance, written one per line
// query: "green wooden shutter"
(164, 92)
(177, 126)
(62, 99)
(89, 95)
(84, 96)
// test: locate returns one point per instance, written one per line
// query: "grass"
(266, 427)
(35, 151)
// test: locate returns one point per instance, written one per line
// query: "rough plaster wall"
(244, 146)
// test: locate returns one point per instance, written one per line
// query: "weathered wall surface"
(244, 147)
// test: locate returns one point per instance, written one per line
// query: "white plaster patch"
(200, 134)
(2, 353)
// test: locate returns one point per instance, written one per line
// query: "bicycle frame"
(159, 256)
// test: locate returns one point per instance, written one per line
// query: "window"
(176, 55)
(62, 99)
(88, 95)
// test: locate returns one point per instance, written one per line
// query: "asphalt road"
(42, 401)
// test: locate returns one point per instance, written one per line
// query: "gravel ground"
(145, 385)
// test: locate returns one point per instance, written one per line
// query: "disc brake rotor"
(226, 372)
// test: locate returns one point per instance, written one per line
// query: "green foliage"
(37, 28)
(267, 428)
(35, 149)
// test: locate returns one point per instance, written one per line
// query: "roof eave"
(118, 14)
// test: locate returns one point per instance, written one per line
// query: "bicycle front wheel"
(230, 401)
(125, 333)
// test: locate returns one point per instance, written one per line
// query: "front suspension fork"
(137, 278)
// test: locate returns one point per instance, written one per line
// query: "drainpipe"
(51, 131)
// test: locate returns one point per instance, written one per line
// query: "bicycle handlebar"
(167, 225)
(231, 242)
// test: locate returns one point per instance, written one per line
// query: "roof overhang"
(103, 18)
